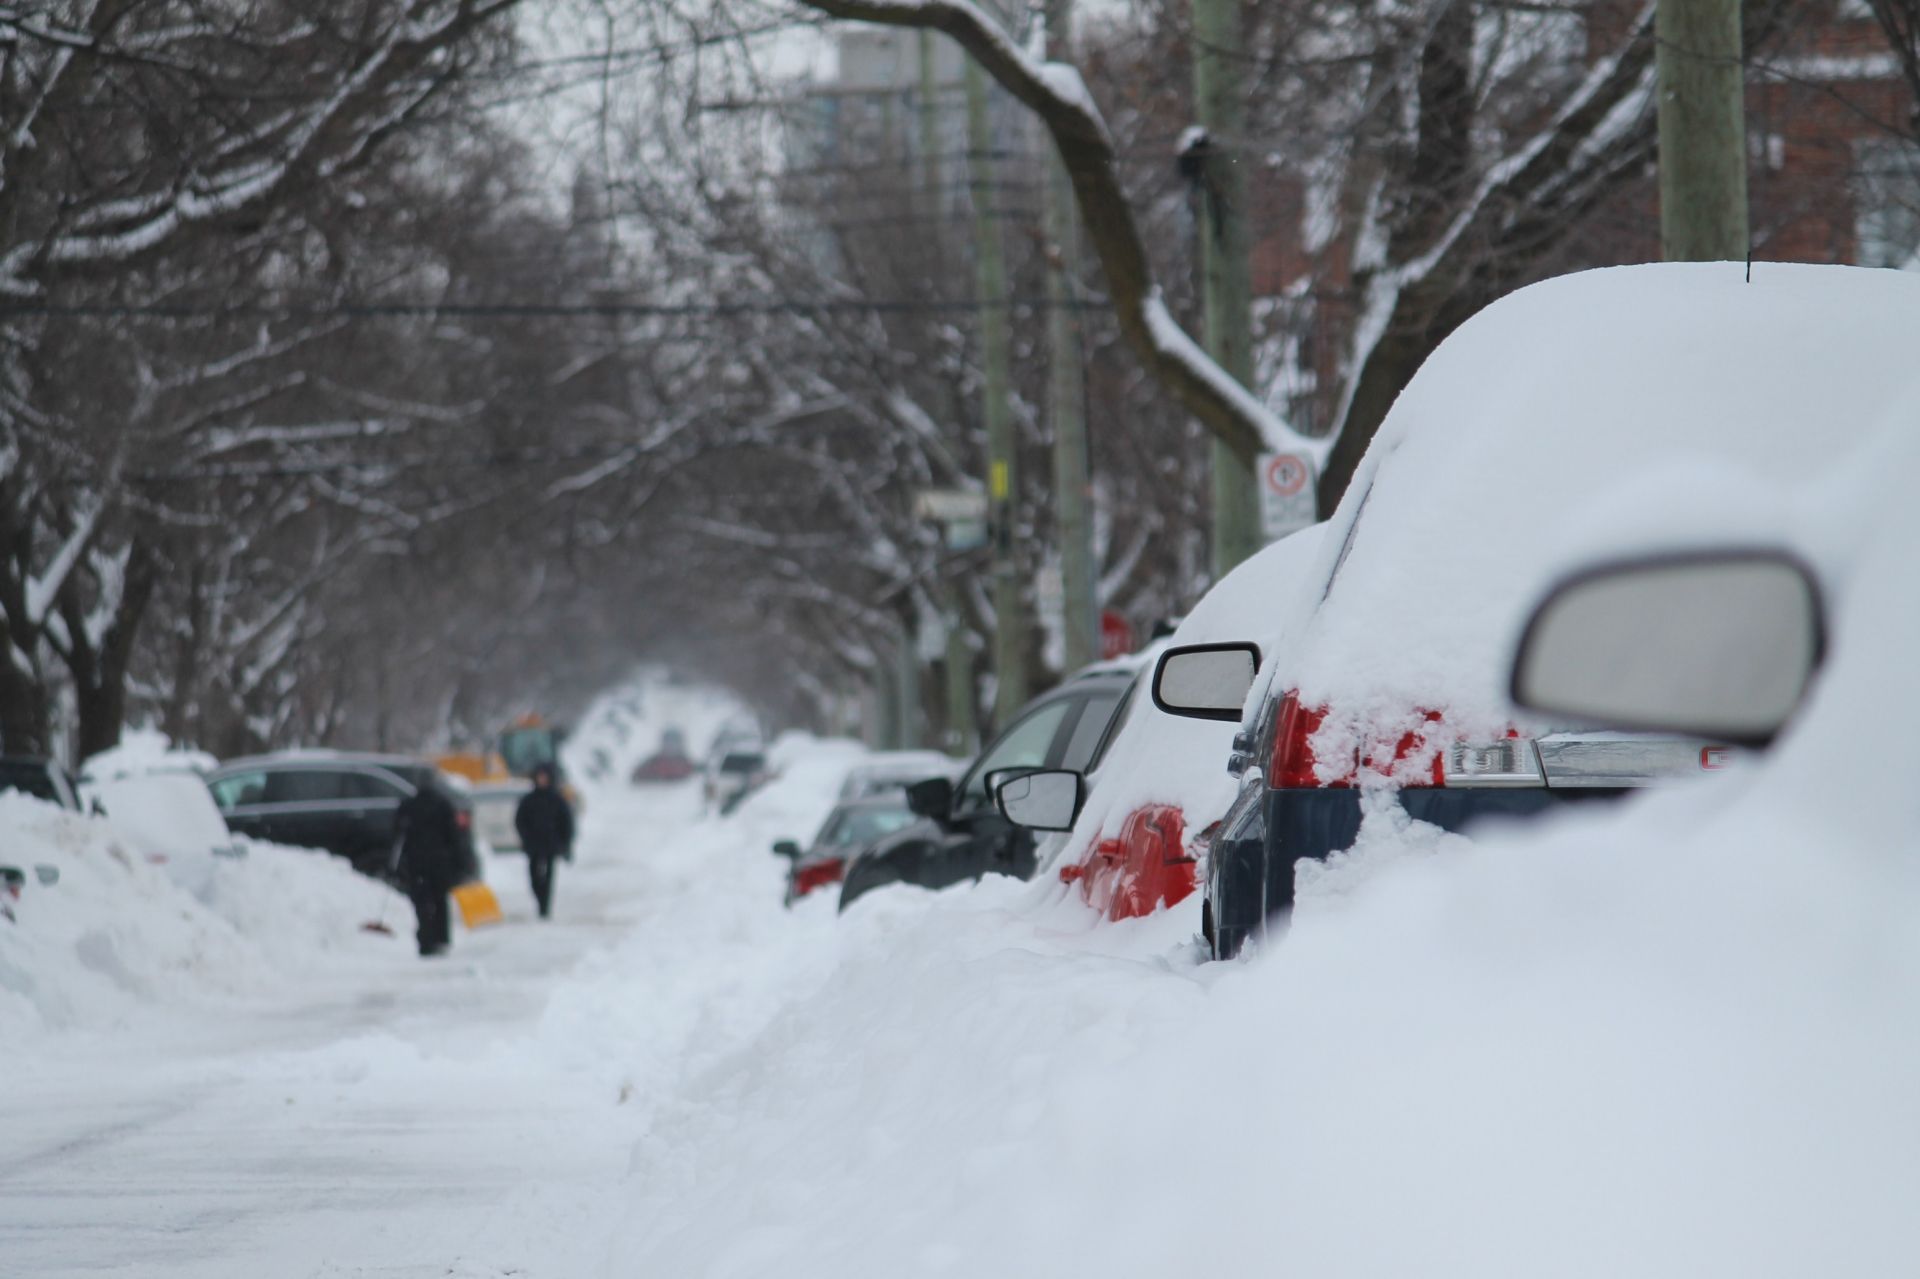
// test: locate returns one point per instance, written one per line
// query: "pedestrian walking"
(431, 857)
(545, 822)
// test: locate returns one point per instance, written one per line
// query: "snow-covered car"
(733, 775)
(853, 825)
(1571, 406)
(494, 804)
(960, 835)
(40, 778)
(664, 765)
(885, 771)
(1155, 793)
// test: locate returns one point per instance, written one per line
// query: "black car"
(40, 778)
(960, 834)
(343, 803)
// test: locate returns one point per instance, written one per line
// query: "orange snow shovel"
(478, 906)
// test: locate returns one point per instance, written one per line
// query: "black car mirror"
(1714, 644)
(1205, 681)
(1046, 800)
(931, 798)
(786, 848)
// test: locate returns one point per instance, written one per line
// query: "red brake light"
(1294, 767)
(818, 875)
(1292, 763)
(462, 818)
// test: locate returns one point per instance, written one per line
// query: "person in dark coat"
(430, 863)
(545, 822)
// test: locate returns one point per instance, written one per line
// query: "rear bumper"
(1251, 877)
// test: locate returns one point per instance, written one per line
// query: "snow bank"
(1670, 1037)
(118, 938)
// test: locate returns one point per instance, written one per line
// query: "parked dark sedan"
(341, 802)
(960, 834)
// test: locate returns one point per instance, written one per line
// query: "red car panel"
(1139, 870)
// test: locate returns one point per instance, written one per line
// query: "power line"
(527, 310)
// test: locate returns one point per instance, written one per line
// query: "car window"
(306, 785)
(414, 775)
(30, 779)
(1025, 745)
(238, 789)
(370, 786)
(1135, 694)
(743, 763)
(1096, 714)
(854, 826)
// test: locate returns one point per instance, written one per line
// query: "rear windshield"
(741, 763)
(855, 826)
(29, 779)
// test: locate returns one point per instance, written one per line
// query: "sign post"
(1287, 494)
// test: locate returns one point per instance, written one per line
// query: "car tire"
(1206, 926)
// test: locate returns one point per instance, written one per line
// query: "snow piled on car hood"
(1582, 390)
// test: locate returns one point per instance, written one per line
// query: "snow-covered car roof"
(1608, 399)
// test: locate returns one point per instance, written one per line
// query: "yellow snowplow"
(526, 744)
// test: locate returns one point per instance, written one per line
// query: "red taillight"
(817, 875)
(1294, 766)
(462, 819)
(1292, 763)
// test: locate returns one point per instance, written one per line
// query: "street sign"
(1288, 498)
(1116, 635)
(950, 506)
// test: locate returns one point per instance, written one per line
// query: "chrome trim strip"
(1573, 760)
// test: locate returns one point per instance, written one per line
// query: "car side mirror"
(786, 848)
(1206, 681)
(931, 798)
(1713, 644)
(1046, 800)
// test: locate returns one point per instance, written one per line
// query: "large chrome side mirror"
(1049, 799)
(1206, 681)
(1713, 644)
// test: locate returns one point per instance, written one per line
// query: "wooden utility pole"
(960, 693)
(1066, 388)
(1226, 258)
(1702, 123)
(1009, 621)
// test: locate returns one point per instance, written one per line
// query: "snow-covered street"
(536, 1101)
(1476, 1062)
(1497, 1051)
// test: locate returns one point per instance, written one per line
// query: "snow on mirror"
(1205, 681)
(1047, 800)
(1717, 645)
